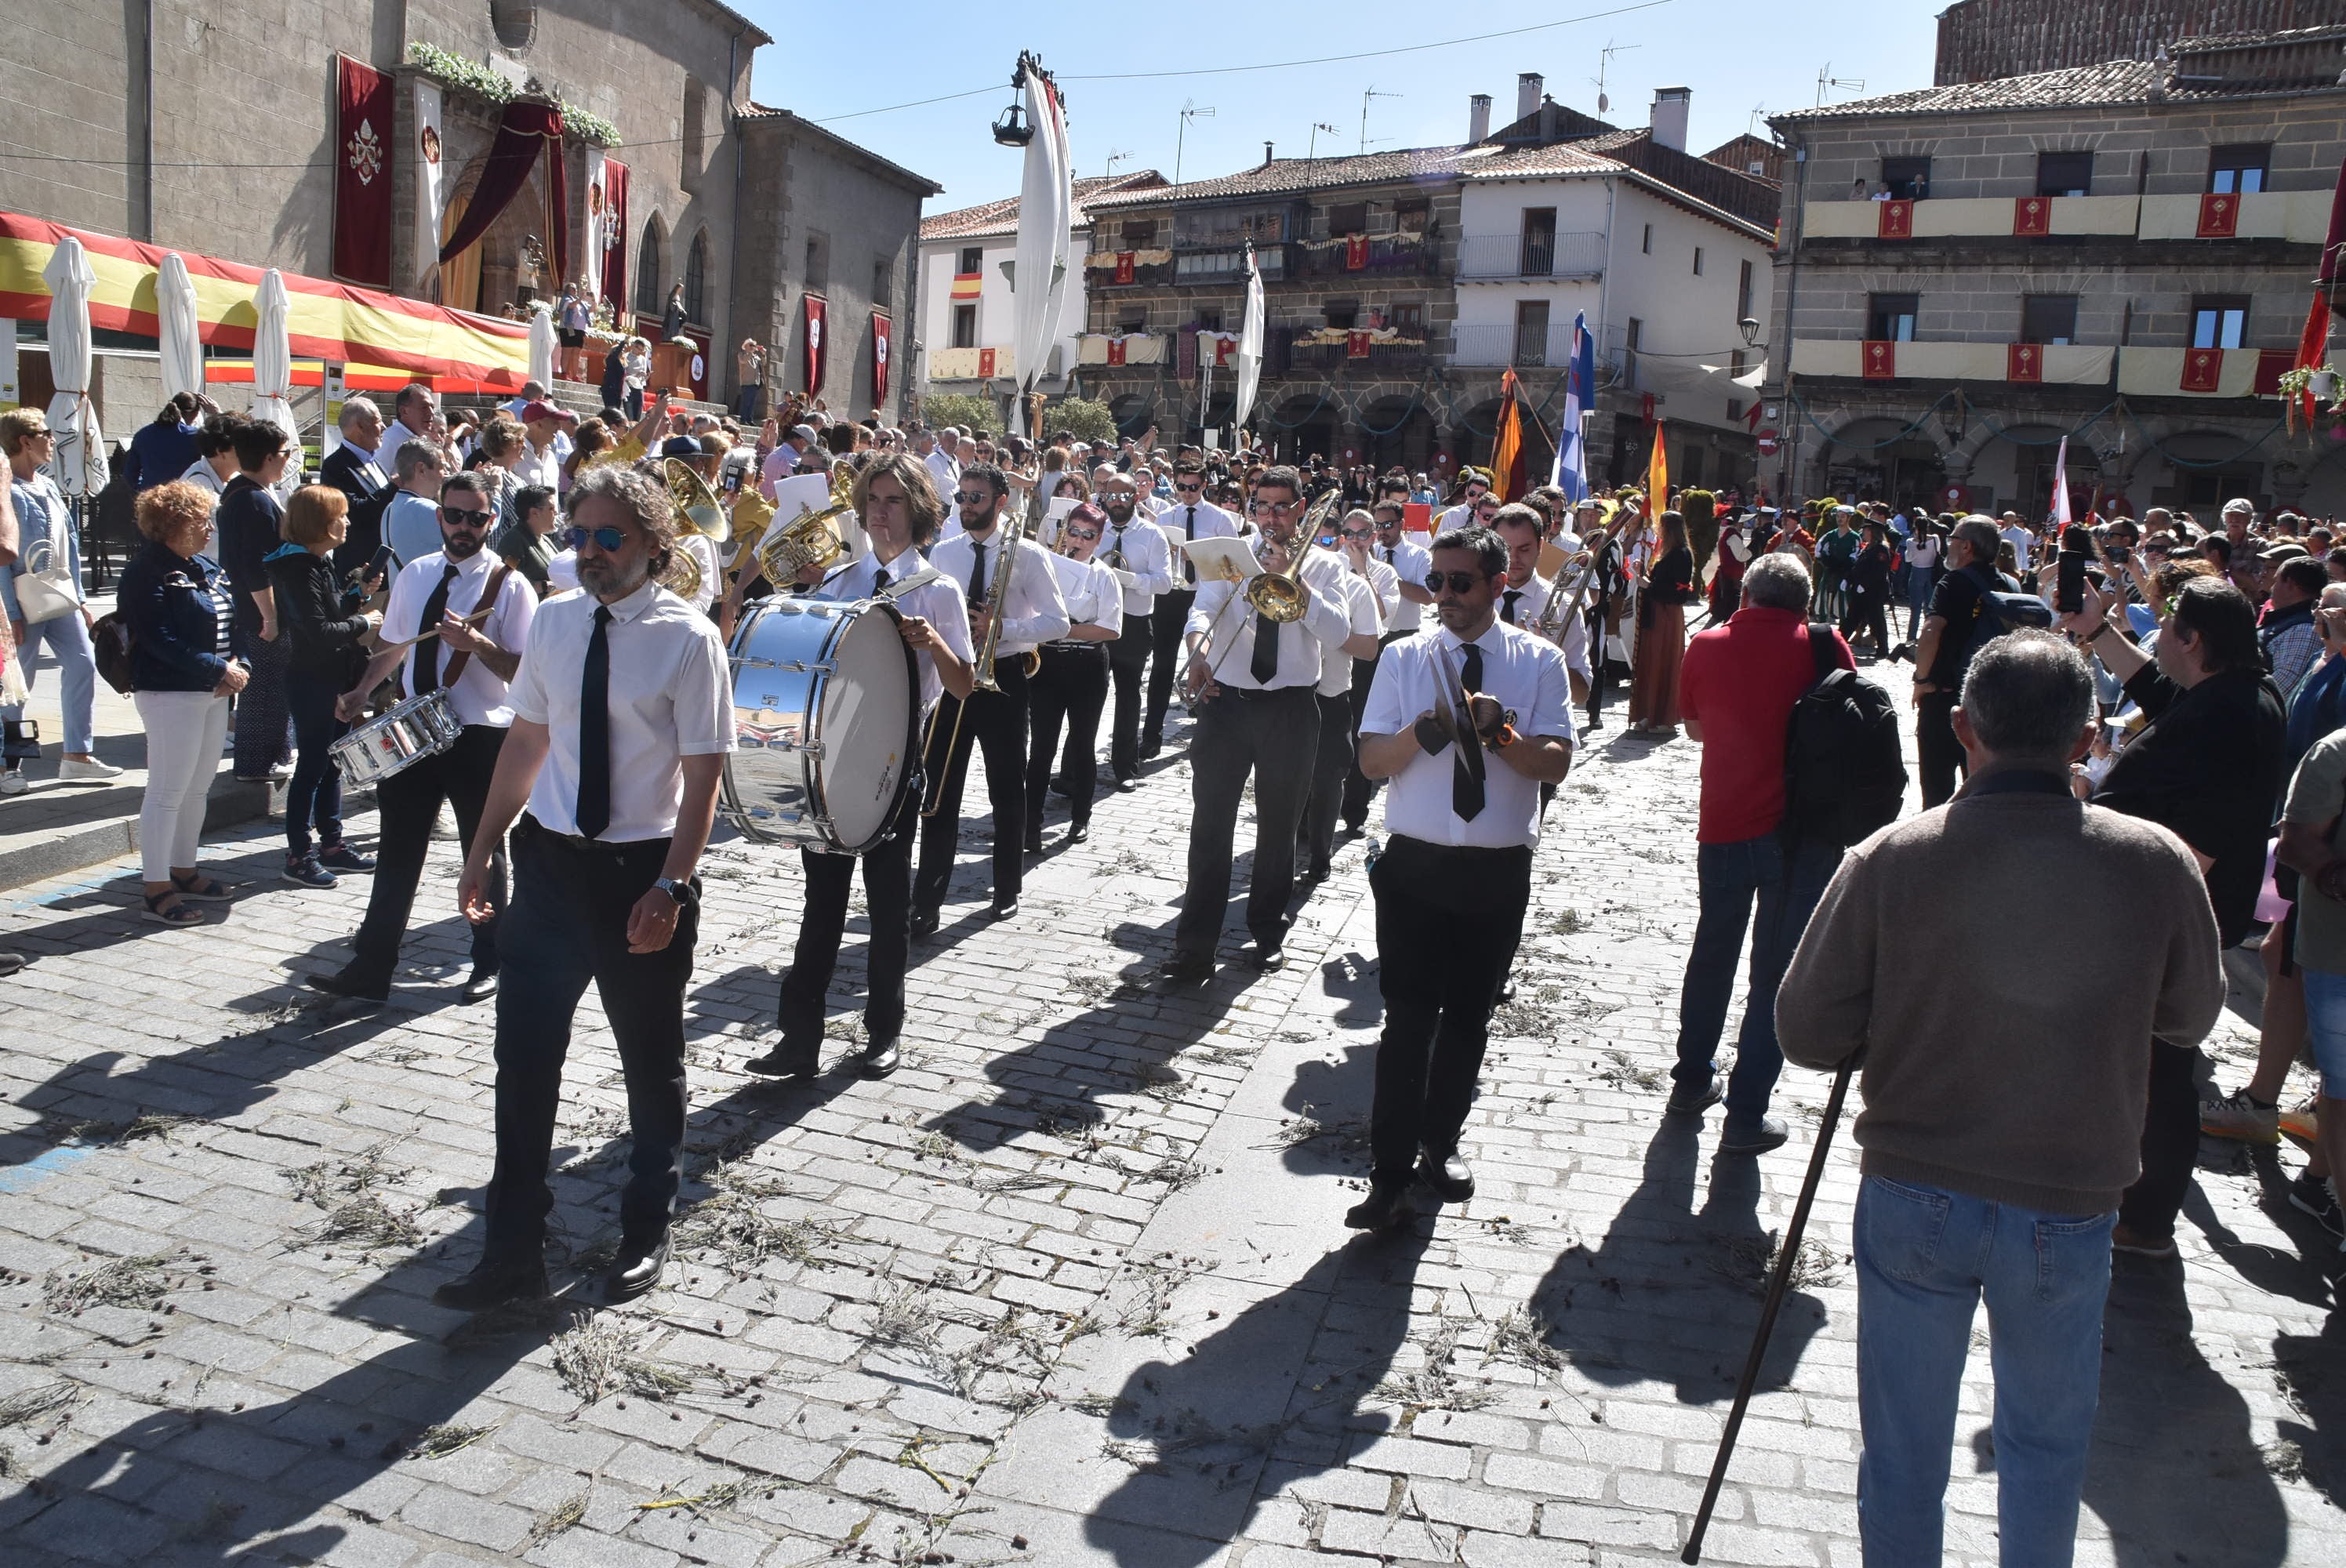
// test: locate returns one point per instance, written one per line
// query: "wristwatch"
(680, 891)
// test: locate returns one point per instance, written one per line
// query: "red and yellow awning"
(328, 322)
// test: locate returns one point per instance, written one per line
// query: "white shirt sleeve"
(702, 692)
(1551, 714)
(1387, 709)
(1046, 618)
(1107, 599)
(1208, 605)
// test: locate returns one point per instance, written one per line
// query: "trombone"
(1277, 596)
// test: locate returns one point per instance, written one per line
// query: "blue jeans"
(1925, 1259)
(1732, 879)
(67, 639)
(1920, 583)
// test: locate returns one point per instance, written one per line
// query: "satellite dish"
(1603, 103)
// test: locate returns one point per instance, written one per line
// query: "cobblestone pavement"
(1070, 1288)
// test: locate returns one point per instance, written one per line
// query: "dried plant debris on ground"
(440, 1441)
(343, 1176)
(602, 1355)
(1306, 1128)
(144, 1125)
(117, 1282)
(735, 1487)
(1623, 1072)
(731, 1225)
(562, 1516)
(1145, 1316)
(363, 1222)
(1521, 1336)
(28, 1406)
(1748, 1261)
(1433, 1385)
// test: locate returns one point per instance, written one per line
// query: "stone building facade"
(1980, 40)
(2119, 253)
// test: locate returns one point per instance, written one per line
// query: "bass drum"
(826, 717)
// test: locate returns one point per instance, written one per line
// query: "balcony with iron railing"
(1530, 253)
(1525, 346)
(1381, 359)
(1411, 254)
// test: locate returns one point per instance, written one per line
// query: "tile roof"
(1000, 216)
(1284, 176)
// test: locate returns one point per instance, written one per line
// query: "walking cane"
(1786, 1256)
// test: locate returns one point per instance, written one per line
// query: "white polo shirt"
(1522, 673)
(1327, 621)
(1185, 521)
(1090, 592)
(671, 697)
(1148, 561)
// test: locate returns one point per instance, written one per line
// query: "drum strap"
(920, 579)
(457, 662)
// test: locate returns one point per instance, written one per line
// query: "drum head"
(866, 726)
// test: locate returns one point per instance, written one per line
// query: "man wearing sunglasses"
(1467, 718)
(1145, 573)
(438, 638)
(1191, 516)
(1032, 615)
(623, 713)
(1474, 485)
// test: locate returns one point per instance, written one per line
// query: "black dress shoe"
(924, 923)
(1316, 872)
(1186, 968)
(492, 1285)
(639, 1268)
(1385, 1208)
(1126, 785)
(1506, 993)
(880, 1058)
(1078, 832)
(341, 983)
(1150, 745)
(1452, 1180)
(1034, 841)
(790, 1059)
(1266, 957)
(1004, 909)
(482, 986)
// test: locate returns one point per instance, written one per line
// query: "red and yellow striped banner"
(328, 321)
(968, 285)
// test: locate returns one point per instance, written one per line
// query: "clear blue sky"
(1734, 55)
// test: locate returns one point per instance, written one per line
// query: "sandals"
(208, 890)
(176, 915)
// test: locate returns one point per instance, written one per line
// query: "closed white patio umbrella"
(175, 314)
(79, 465)
(542, 343)
(273, 371)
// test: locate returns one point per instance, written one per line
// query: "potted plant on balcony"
(2318, 383)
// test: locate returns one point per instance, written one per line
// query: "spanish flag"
(968, 285)
(1507, 449)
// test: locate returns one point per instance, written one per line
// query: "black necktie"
(595, 731)
(1188, 570)
(977, 576)
(1506, 610)
(879, 582)
(1466, 777)
(1264, 664)
(427, 653)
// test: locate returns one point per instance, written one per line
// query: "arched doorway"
(1398, 431)
(2205, 468)
(1303, 425)
(1883, 460)
(651, 294)
(695, 280)
(1133, 411)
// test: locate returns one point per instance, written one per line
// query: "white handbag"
(44, 591)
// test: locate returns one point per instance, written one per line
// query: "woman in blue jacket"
(175, 601)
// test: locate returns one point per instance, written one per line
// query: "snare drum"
(418, 727)
(826, 714)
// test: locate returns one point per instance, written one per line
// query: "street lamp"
(1012, 129)
(1749, 327)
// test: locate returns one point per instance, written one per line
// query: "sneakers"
(2300, 1123)
(2238, 1116)
(13, 782)
(306, 870)
(2316, 1196)
(73, 768)
(342, 858)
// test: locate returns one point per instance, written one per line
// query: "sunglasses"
(1356, 533)
(1083, 533)
(467, 516)
(971, 498)
(1460, 582)
(1190, 489)
(607, 540)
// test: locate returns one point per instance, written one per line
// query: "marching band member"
(1257, 680)
(900, 510)
(623, 713)
(1523, 596)
(1369, 600)
(1072, 680)
(1454, 881)
(1472, 485)
(434, 601)
(1146, 574)
(1032, 613)
(1191, 516)
(1410, 564)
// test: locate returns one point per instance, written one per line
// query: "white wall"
(1682, 314)
(1496, 207)
(939, 260)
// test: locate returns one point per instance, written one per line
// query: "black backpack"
(1845, 771)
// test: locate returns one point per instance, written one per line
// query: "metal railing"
(1531, 253)
(1524, 347)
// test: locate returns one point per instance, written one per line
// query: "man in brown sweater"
(2005, 962)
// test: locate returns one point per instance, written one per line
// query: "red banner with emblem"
(1356, 252)
(811, 339)
(1356, 345)
(1124, 265)
(362, 132)
(614, 230)
(2203, 370)
(2032, 215)
(1879, 360)
(2219, 215)
(880, 350)
(2271, 363)
(2024, 362)
(1115, 350)
(1895, 220)
(986, 364)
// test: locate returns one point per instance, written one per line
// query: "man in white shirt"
(2016, 534)
(1472, 485)
(623, 713)
(1190, 518)
(900, 511)
(1252, 684)
(1332, 759)
(937, 453)
(783, 460)
(432, 638)
(1144, 569)
(1410, 564)
(1524, 595)
(410, 420)
(1032, 613)
(1071, 684)
(1467, 718)
(547, 443)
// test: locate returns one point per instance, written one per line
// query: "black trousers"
(1127, 657)
(1868, 612)
(409, 803)
(1072, 686)
(1165, 625)
(1274, 736)
(1448, 922)
(1331, 762)
(997, 722)
(1359, 788)
(822, 925)
(567, 926)
(1599, 609)
(2170, 1142)
(1938, 755)
(315, 794)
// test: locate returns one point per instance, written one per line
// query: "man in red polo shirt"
(1736, 692)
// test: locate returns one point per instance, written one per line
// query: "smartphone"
(2069, 585)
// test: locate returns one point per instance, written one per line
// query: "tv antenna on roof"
(1189, 111)
(1371, 93)
(1604, 65)
(1826, 81)
(1113, 159)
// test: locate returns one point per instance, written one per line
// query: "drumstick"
(474, 619)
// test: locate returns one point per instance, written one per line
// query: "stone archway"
(1396, 429)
